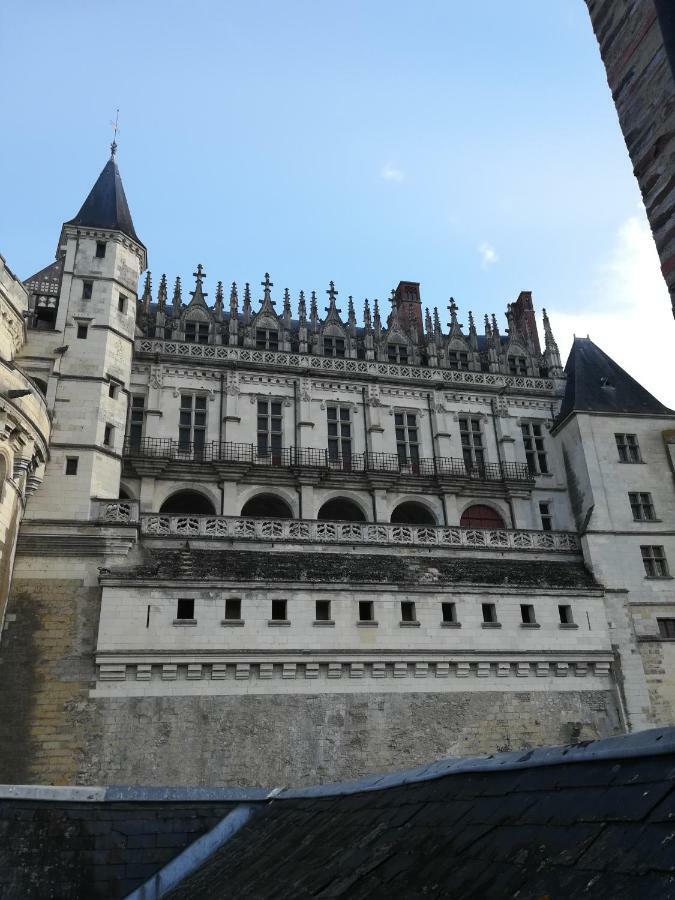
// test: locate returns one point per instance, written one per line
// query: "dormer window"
(458, 359)
(197, 332)
(334, 346)
(397, 353)
(266, 339)
(517, 365)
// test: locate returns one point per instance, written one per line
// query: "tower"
(91, 350)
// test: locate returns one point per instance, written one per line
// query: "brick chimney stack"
(524, 318)
(409, 304)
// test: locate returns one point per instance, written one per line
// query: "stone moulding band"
(320, 532)
(264, 671)
(306, 362)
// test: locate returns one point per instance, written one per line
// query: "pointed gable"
(106, 206)
(595, 383)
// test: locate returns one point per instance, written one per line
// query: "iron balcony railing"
(315, 458)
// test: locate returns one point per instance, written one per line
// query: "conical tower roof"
(106, 206)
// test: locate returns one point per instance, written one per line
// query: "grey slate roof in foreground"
(595, 383)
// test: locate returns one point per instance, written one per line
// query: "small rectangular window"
(82, 332)
(517, 365)
(366, 613)
(565, 613)
(266, 339)
(322, 613)
(185, 609)
(489, 613)
(408, 613)
(527, 614)
(112, 391)
(87, 289)
(666, 628)
(641, 506)
(279, 611)
(233, 608)
(122, 303)
(535, 450)
(628, 447)
(449, 612)
(100, 249)
(545, 516)
(654, 560)
(108, 432)
(71, 465)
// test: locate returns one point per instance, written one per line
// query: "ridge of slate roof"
(106, 204)
(595, 383)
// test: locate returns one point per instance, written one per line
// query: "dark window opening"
(71, 465)
(185, 608)
(136, 419)
(397, 353)
(197, 332)
(412, 513)
(565, 613)
(449, 612)
(121, 303)
(340, 510)
(489, 612)
(527, 614)
(108, 435)
(233, 608)
(641, 506)
(458, 359)
(267, 506)
(517, 365)
(407, 439)
(87, 289)
(339, 434)
(666, 627)
(82, 331)
(188, 503)
(112, 391)
(473, 452)
(266, 339)
(535, 451)
(100, 249)
(546, 517)
(628, 448)
(279, 611)
(334, 346)
(322, 613)
(269, 430)
(654, 559)
(408, 612)
(366, 611)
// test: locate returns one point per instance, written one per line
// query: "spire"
(287, 308)
(246, 309)
(455, 327)
(177, 301)
(488, 330)
(198, 295)
(367, 321)
(162, 294)
(314, 313)
(331, 309)
(393, 320)
(234, 301)
(302, 310)
(428, 327)
(146, 299)
(218, 308)
(351, 315)
(106, 204)
(473, 336)
(438, 331)
(549, 340)
(377, 322)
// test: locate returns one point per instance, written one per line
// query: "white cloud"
(392, 173)
(629, 314)
(488, 255)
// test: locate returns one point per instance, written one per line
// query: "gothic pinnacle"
(234, 300)
(302, 309)
(428, 327)
(147, 292)
(177, 294)
(367, 321)
(162, 294)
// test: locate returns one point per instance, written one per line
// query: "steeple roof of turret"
(106, 206)
(595, 383)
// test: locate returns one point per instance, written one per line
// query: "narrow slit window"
(185, 608)
(546, 516)
(108, 433)
(122, 303)
(112, 391)
(87, 289)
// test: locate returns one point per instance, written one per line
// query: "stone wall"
(631, 39)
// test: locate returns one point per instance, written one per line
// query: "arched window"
(411, 513)
(267, 506)
(340, 509)
(189, 503)
(480, 516)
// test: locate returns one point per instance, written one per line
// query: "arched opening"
(267, 506)
(340, 509)
(480, 516)
(411, 513)
(188, 503)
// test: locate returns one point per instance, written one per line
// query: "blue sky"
(471, 147)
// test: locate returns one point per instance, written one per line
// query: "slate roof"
(595, 383)
(601, 829)
(335, 568)
(106, 206)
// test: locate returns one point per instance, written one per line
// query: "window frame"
(339, 433)
(546, 515)
(458, 360)
(334, 346)
(407, 435)
(69, 461)
(136, 419)
(99, 245)
(536, 454)
(229, 601)
(196, 331)
(82, 332)
(181, 610)
(87, 289)
(409, 612)
(654, 561)
(472, 443)
(398, 353)
(197, 412)
(269, 439)
(666, 626)
(517, 365)
(628, 448)
(642, 506)
(269, 339)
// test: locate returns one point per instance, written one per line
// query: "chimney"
(409, 304)
(524, 320)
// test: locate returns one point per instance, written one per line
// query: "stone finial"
(549, 340)
(438, 331)
(473, 335)
(367, 321)
(495, 327)
(488, 330)
(146, 299)
(177, 301)
(302, 310)
(287, 308)
(218, 308)
(351, 314)
(198, 295)
(246, 309)
(377, 322)
(428, 327)
(313, 313)
(234, 301)
(162, 294)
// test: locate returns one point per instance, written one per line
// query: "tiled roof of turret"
(595, 383)
(106, 206)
